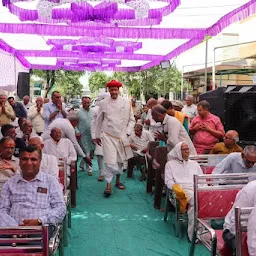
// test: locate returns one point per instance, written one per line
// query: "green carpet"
(124, 224)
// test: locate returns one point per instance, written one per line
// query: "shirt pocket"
(42, 200)
(19, 198)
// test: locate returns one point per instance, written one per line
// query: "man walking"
(116, 121)
(84, 127)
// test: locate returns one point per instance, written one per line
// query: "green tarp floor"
(124, 224)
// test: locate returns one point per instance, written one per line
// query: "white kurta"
(49, 165)
(36, 118)
(154, 126)
(176, 133)
(116, 121)
(245, 198)
(141, 142)
(190, 111)
(251, 233)
(68, 132)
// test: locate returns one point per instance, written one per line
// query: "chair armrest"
(73, 165)
(54, 240)
(149, 156)
(155, 164)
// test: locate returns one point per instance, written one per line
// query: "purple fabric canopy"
(104, 35)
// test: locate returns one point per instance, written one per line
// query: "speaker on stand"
(23, 85)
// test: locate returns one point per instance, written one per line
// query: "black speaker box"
(23, 86)
(216, 100)
(240, 111)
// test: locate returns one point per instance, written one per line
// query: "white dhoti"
(116, 151)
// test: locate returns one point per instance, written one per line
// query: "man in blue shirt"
(18, 107)
(53, 110)
(31, 198)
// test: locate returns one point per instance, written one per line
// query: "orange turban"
(114, 83)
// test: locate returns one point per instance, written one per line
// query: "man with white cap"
(116, 121)
(98, 149)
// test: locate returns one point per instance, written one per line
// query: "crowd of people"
(117, 131)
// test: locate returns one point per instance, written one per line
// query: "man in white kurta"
(181, 170)
(98, 149)
(251, 233)
(49, 163)
(173, 129)
(61, 148)
(245, 198)
(68, 131)
(116, 121)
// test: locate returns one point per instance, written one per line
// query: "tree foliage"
(67, 82)
(151, 82)
(97, 80)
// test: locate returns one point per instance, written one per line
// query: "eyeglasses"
(226, 138)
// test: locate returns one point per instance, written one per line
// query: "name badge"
(42, 190)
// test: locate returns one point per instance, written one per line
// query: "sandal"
(120, 186)
(101, 178)
(107, 191)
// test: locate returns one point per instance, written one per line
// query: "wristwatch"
(39, 222)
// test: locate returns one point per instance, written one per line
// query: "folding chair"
(241, 218)
(73, 183)
(149, 160)
(159, 161)
(214, 196)
(207, 162)
(25, 241)
(180, 218)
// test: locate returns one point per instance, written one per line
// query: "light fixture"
(165, 64)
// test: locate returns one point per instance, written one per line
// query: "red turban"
(114, 83)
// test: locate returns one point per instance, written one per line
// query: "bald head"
(231, 138)
(26, 99)
(158, 113)
(160, 100)
(189, 100)
(56, 134)
(151, 103)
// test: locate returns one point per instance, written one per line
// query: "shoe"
(101, 178)
(89, 173)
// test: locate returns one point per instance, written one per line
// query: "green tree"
(97, 80)
(67, 82)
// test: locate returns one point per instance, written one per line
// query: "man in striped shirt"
(31, 198)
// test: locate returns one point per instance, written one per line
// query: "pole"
(182, 83)
(164, 83)
(206, 60)
(213, 70)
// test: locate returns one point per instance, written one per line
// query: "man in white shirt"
(49, 163)
(174, 132)
(60, 147)
(35, 114)
(139, 140)
(238, 162)
(68, 131)
(190, 109)
(27, 105)
(153, 125)
(251, 233)
(245, 198)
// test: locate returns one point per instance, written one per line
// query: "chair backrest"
(152, 147)
(215, 194)
(24, 240)
(62, 163)
(241, 218)
(208, 162)
(161, 157)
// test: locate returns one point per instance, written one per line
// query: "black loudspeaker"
(216, 100)
(23, 86)
(240, 114)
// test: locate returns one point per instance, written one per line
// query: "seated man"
(238, 162)
(229, 145)
(60, 147)
(31, 198)
(251, 233)
(8, 130)
(139, 140)
(8, 163)
(181, 170)
(49, 163)
(26, 131)
(245, 198)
